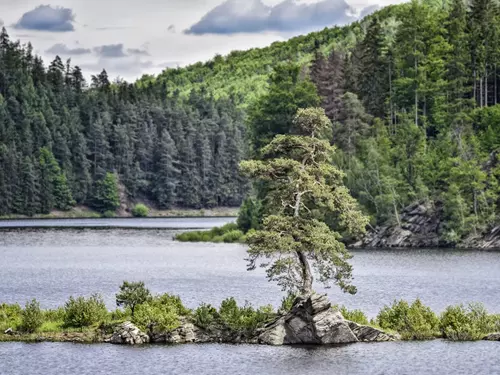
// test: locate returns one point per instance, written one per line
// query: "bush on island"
(468, 323)
(160, 314)
(84, 312)
(32, 317)
(413, 322)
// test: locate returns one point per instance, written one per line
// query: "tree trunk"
(416, 90)
(485, 86)
(307, 278)
(495, 84)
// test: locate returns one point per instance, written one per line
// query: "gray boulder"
(310, 321)
(370, 334)
(128, 334)
(186, 333)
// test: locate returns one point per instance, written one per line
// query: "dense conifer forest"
(64, 141)
(412, 91)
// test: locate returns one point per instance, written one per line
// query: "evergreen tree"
(273, 112)
(166, 171)
(106, 196)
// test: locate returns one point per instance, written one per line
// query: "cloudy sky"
(132, 37)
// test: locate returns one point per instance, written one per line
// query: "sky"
(130, 38)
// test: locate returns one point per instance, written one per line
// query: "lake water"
(152, 223)
(406, 358)
(51, 265)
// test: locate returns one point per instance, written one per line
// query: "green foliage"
(54, 192)
(32, 317)
(10, 316)
(356, 316)
(228, 233)
(413, 322)
(244, 319)
(461, 323)
(273, 112)
(232, 236)
(205, 316)
(287, 303)
(412, 91)
(250, 215)
(83, 312)
(140, 210)
(109, 214)
(160, 314)
(132, 294)
(302, 187)
(54, 315)
(106, 197)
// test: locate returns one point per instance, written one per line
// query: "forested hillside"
(65, 142)
(412, 92)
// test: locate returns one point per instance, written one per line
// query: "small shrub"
(232, 236)
(160, 314)
(460, 323)
(413, 322)
(10, 316)
(220, 231)
(140, 210)
(120, 315)
(132, 295)
(228, 233)
(84, 312)
(287, 303)
(244, 319)
(55, 315)
(205, 315)
(356, 316)
(32, 317)
(109, 214)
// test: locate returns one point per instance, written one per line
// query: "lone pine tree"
(303, 186)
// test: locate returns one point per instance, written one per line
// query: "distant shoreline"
(85, 213)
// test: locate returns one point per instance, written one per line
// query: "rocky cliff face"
(489, 240)
(419, 227)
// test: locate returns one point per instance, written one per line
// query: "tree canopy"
(303, 185)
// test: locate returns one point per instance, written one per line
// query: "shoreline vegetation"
(87, 320)
(87, 213)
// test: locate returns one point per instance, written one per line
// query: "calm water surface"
(51, 265)
(164, 223)
(409, 358)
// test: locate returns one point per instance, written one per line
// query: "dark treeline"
(64, 142)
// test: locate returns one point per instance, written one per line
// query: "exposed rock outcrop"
(419, 227)
(186, 333)
(493, 337)
(371, 334)
(312, 321)
(489, 240)
(128, 334)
